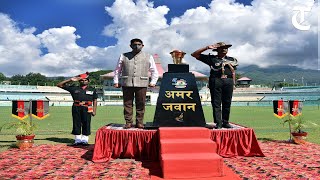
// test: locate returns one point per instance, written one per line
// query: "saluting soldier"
(84, 106)
(221, 80)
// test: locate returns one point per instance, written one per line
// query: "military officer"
(221, 80)
(84, 106)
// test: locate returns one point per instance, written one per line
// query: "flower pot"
(299, 137)
(25, 142)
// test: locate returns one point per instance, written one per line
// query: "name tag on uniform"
(89, 92)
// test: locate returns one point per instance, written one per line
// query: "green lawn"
(57, 127)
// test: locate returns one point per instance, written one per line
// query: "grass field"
(57, 127)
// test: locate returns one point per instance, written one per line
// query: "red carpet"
(113, 142)
(188, 152)
(282, 161)
(156, 174)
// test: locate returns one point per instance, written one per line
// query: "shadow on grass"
(7, 141)
(13, 145)
(5, 147)
(265, 139)
(60, 140)
(274, 140)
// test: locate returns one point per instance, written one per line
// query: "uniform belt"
(82, 103)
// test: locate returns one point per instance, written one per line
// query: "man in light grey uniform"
(132, 69)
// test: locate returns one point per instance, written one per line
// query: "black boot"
(209, 126)
(218, 125)
(226, 124)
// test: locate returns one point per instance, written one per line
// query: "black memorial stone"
(178, 68)
(179, 102)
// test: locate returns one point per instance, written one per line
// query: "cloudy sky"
(68, 37)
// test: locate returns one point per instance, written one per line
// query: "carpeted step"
(183, 132)
(202, 145)
(195, 165)
(188, 152)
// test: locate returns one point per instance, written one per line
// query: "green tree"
(41, 80)
(18, 80)
(238, 76)
(2, 77)
(36, 79)
(95, 77)
(55, 80)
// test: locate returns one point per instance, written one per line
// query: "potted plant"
(24, 132)
(299, 136)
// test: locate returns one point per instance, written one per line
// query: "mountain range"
(288, 74)
(274, 74)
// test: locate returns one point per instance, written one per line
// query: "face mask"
(136, 47)
(220, 50)
(83, 83)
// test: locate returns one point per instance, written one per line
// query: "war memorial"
(179, 137)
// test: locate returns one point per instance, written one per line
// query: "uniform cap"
(84, 75)
(223, 45)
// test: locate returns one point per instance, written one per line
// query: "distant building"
(243, 82)
(5, 82)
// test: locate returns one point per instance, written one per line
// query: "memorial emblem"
(178, 102)
(179, 118)
(179, 83)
